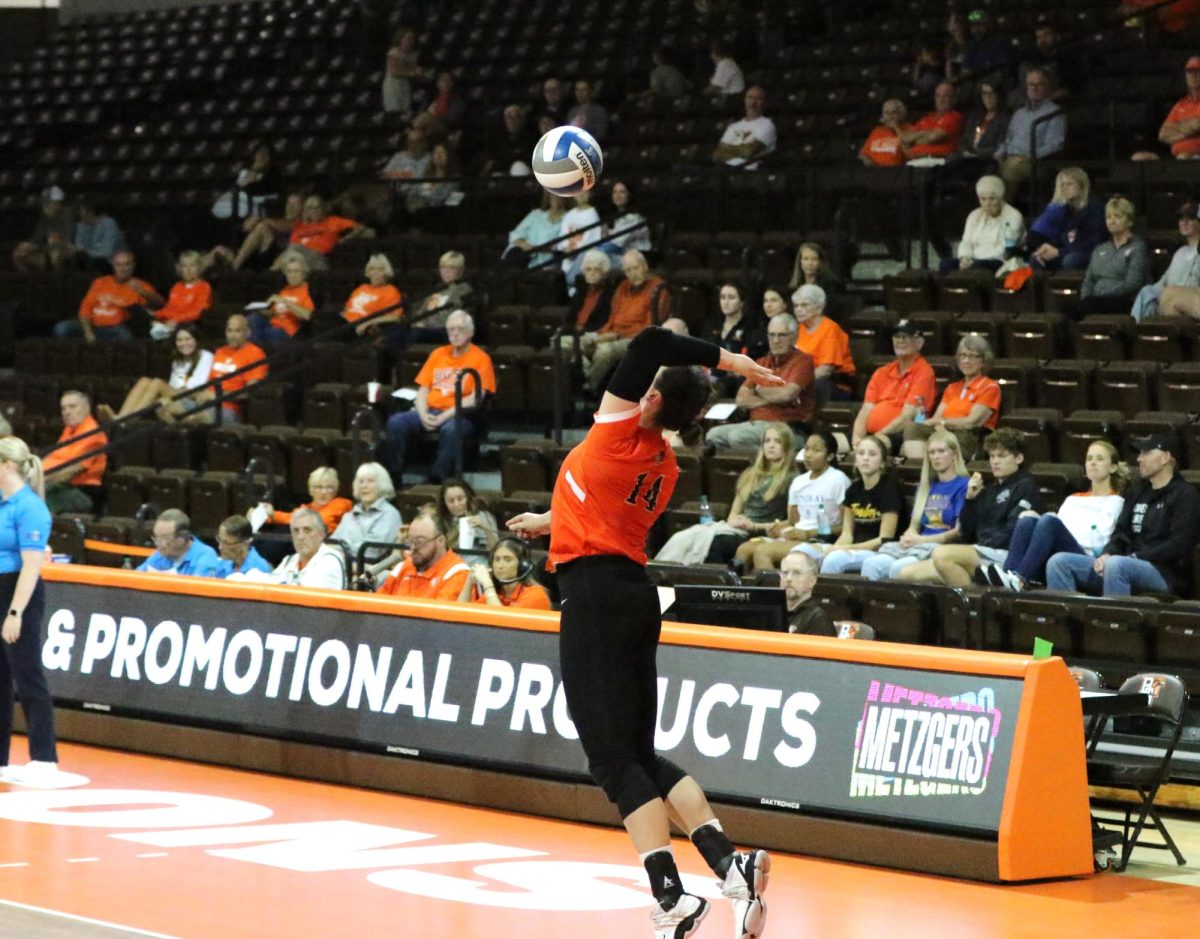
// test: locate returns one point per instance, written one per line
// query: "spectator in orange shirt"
(937, 133)
(883, 146)
(968, 407)
(431, 570)
(289, 309)
(510, 567)
(236, 354)
(317, 234)
(72, 488)
(434, 409)
(1181, 130)
(188, 299)
(323, 488)
(897, 391)
(105, 309)
(826, 342)
(639, 301)
(377, 294)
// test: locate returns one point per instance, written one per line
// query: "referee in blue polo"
(24, 531)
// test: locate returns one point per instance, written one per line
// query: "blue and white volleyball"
(567, 160)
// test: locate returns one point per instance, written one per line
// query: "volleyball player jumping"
(610, 490)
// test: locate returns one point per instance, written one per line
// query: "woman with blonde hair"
(188, 300)
(24, 531)
(323, 485)
(1082, 525)
(760, 501)
(1119, 267)
(939, 503)
(1070, 227)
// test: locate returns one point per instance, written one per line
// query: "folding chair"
(1141, 774)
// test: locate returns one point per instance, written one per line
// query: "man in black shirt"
(798, 574)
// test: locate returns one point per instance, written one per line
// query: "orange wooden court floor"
(387, 865)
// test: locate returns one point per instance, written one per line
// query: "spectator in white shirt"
(727, 78)
(992, 232)
(745, 141)
(315, 564)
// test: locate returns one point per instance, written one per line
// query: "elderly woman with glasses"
(968, 406)
(993, 231)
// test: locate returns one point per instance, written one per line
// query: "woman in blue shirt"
(24, 531)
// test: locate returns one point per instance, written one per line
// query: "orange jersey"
(442, 580)
(285, 319)
(959, 399)
(108, 300)
(331, 513)
(185, 302)
(1185, 110)
(828, 344)
(440, 372)
(526, 596)
(226, 360)
(323, 235)
(611, 488)
(367, 300)
(883, 147)
(91, 471)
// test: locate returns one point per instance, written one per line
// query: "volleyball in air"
(567, 160)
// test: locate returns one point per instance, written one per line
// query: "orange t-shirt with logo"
(611, 488)
(883, 147)
(443, 580)
(227, 359)
(1185, 109)
(441, 369)
(185, 302)
(323, 235)
(959, 399)
(108, 300)
(284, 318)
(367, 300)
(828, 344)
(91, 471)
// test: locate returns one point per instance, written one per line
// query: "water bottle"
(706, 516)
(1096, 546)
(920, 418)
(823, 529)
(1010, 241)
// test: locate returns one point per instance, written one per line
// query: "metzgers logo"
(916, 743)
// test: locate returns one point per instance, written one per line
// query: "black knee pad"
(666, 775)
(626, 784)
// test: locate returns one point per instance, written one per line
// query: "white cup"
(466, 537)
(372, 392)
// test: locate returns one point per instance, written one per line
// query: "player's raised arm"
(656, 347)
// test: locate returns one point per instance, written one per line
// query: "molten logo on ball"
(567, 160)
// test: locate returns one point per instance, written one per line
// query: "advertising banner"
(931, 748)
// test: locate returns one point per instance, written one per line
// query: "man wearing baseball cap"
(1180, 285)
(1152, 543)
(1181, 130)
(899, 391)
(49, 245)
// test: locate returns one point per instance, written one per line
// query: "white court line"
(81, 860)
(131, 930)
(16, 864)
(153, 854)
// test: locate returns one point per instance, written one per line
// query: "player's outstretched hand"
(530, 524)
(748, 368)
